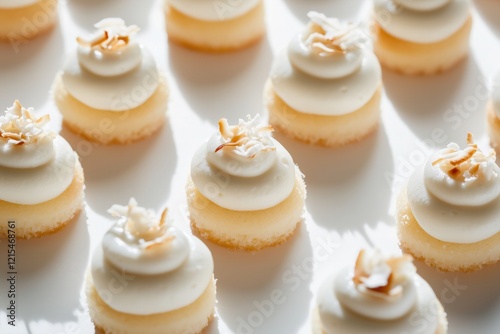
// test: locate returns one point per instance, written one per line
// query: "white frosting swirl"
(418, 25)
(337, 319)
(39, 184)
(423, 5)
(312, 95)
(111, 72)
(327, 49)
(495, 95)
(146, 266)
(36, 165)
(242, 168)
(455, 197)
(142, 244)
(111, 50)
(16, 3)
(381, 295)
(207, 10)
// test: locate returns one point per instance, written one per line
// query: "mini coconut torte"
(449, 214)
(325, 88)
(494, 114)
(166, 280)
(215, 26)
(110, 90)
(379, 295)
(26, 19)
(421, 37)
(41, 179)
(245, 192)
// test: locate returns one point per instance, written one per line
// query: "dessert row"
(245, 192)
(324, 88)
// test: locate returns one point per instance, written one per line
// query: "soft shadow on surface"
(212, 83)
(52, 270)
(469, 299)
(490, 13)
(250, 279)
(115, 173)
(86, 13)
(338, 177)
(28, 66)
(336, 8)
(453, 101)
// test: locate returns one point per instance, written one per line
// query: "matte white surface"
(350, 203)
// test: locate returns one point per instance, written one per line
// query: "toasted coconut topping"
(112, 35)
(327, 36)
(142, 223)
(466, 165)
(247, 138)
(382, 277)
(19, 126)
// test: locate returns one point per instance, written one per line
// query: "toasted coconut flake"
(327, 36)
(466, 165)
(112, 35)
(248, 138)
(382, 277)
(18, 126)
(142, 224)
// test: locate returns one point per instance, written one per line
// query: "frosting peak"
(465, 177)
(111, 50)
(112, 35)
(327, 36)
(380, 277)
(379, 287)
(327, 48)
(142, 223)
(18, 126)
(248, 138)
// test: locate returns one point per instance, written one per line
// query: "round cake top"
(110, 70)
(36, 165)
(455, 197)
(379, 294)
(208, 10)
(169, 269)
(421, 21)
(242, 168)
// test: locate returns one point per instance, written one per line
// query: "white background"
(350, 203)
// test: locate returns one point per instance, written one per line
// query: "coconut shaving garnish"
(247, 138)
(327, 36)
(113, 35)
(469, 164)
(142, 224)
(382, 277)
(19, 126)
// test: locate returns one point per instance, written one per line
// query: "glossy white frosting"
(327, 48)
(147, 266)
(313, 95)
(495, 95)
(422, 26)
(111, 71)
(377, 295)
(254, 175)
(463, 205)
(422, 5)
(39, 184)
(208, 10)
(16, 3)
(338, 319)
